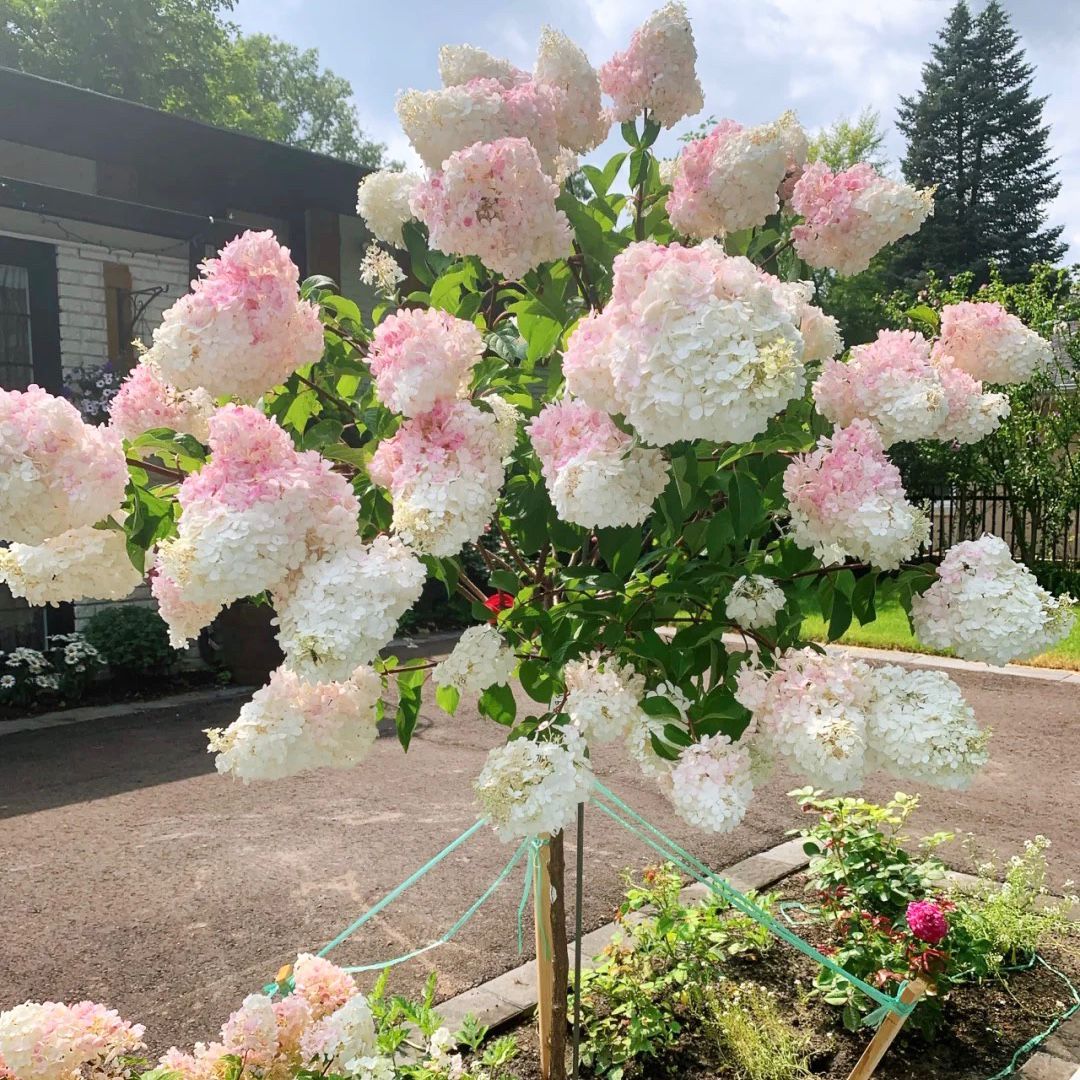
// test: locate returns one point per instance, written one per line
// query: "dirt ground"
(131, 873)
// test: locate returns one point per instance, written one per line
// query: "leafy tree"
(183, 56)
(848, 142)
(1032, 458)
(976, 131)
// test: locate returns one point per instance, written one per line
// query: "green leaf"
(497, 702)
(840, 619)
(447, 698)
(658, 706)
(410, 691)
(621, 549)
(320, 434)
(629, 132)
(537, 679)
(925, 316)
(862, 598)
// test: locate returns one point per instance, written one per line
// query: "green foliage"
(849, 142)
(183, 56)
(976, 131)
(132, 640)
(648, 987)
(1013, 922)
(1032, 457)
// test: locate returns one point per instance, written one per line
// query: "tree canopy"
(976, 131)
(184, 56)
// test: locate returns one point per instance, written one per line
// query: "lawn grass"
(890, 631)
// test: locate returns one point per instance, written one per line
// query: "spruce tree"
(976, 131)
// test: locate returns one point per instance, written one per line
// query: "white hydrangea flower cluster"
(56, 471)
(481, 658)
(754, 601)
(532, 788)
(580, 123)
(338, 1042)
(832, 719)
(639, 738)
(693, 345)
(379, 270)
(729, 179)
(80, 564)
(603, 697)
(711, 786)
(338, 611)
(820, 332)
(382, 200)
(921, 728)
(985, 606)
(811, 713)
(291, 725)
(460, 64)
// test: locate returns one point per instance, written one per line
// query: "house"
(106, 210)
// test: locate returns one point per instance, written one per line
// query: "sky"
(826, 59)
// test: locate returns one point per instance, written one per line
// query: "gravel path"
(131, 873)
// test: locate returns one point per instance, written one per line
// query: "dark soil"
(118, 692)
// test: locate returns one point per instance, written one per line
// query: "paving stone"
(1042, 1066)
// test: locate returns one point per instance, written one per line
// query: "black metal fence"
(966, 515)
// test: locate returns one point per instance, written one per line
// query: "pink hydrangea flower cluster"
(990, 344)
(927, 921)
(255, 513)
(595, 475)
(849, 216)
(847, 500)
(146, 401)
(421, 356)
(444, 469)
(243, 328)
(985, 606)
(657, 71)
(56, 471)
(729, 179)
(694, 344)
(711, 785)
(494, 201)
(907, 394)
(52, 1041)
(563, 66)
(291, 725)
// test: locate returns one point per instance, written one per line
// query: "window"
(16, 346)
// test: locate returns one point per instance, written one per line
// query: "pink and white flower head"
(580, 122)
(974, 412)
(493, 200)
(820, 332)
(254, 513)
(439, 123)
(382, 200)
(203, 1064)
(461, 64)
(849, 216)
(847, 500)
(184, 618)
(728, 180)
(243, 328)
(657, 71)
(985, 606)
(990, 344)
(595, 475)
(891, 382)
(339, 1040)
(421, 356)
(291, 725)
(81, 564)
(922, 730)
(52, 1041)
(323, 985)
(811, 711)
(336, 612)
(710, 785)
(56, 472)
(443, 469)
(603, 697)
(693, 345)
(251, 1032)
(146, 401)
(529, 788)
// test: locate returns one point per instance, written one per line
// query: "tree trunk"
(552, 964)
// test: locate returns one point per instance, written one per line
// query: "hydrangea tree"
(609, 383)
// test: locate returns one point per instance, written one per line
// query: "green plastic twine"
(690, 865)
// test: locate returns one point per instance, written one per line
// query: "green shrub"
(132, 640)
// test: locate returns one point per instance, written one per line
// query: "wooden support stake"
(552, 962)
(886, 1033)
